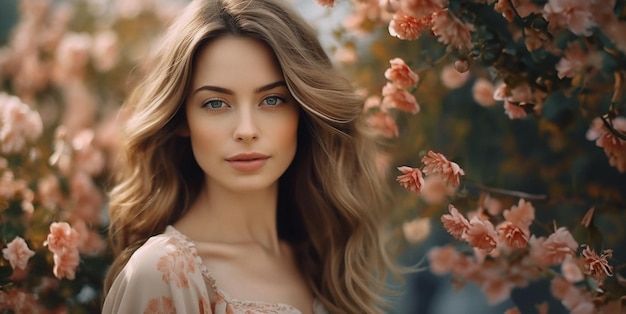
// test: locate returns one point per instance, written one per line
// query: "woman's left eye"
(273, 101)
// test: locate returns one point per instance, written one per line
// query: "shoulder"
(167, 256)
(163, 270)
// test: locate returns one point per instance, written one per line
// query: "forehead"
(235, 61)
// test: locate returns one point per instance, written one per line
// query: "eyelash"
(206, 104)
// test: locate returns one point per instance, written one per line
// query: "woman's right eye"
(214, 104)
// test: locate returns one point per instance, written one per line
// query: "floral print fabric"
(167, 275)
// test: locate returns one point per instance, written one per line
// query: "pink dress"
(167, 275)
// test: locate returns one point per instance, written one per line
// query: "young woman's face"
(241, 118)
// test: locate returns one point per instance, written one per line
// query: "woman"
(248, 183)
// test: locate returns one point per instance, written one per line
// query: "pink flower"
(416, 230)
(496, 289)
(572, 298)
(514, 231)
(18, 253)
(411, 179)
(452, 78)
(394, 97)
(571, 270)
(435, 163)
(522, 215)
(483, 92)
(18, 124)
(554, 249)
(65, 264)
(400, 74)
(326, 3)
(575, 60)
(62, 238)
(481, 234)
(87, 157)
(573, 14)
(105, 50)
(435, 189)
(72, 56)
(451, 31)
(514, 111)
(513, 235)
(455, 223)
(597, 266)
(443, 260)
(372, 102)
(419, 8)
(408, 27)
(383, 124)
(614, 147)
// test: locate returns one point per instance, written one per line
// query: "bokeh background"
(72, 63)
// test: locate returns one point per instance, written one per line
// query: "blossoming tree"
(529, 97)
(64, 73)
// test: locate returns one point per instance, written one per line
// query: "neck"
(225, 216)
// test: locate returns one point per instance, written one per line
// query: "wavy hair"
(331, 198)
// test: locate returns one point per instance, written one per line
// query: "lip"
(247, 161)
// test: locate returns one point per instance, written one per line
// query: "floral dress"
(167, 275)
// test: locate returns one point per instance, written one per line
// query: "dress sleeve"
(161, 277)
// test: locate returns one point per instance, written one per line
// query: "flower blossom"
(514, 111)
(574, 14)
(411, 179)
(435, 163)
(573, 298)
(575, 60)
(18, 253)
(416, 230)
(453, 78)
(407, 27)
(419, 8)
(443, 259)
(62, 238)
(455, 223)
(482, 91)
(65, 264)
(401, 74)
(614, 147)
(514, 231)
(451, 31)
(435, 189)
(571, 270)
(554, 249)
(394, 97)
(383, 124)
(18, 124)
(481, 234)
(596, 265)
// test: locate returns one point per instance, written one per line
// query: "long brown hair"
(331, 199)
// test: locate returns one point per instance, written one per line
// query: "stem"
(518, 194)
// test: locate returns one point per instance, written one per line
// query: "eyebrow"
(222, 90)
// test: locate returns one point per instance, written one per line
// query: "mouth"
(247, 157)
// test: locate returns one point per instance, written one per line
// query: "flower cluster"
(395, 96)
(555, 67)
(507, 255)
(64, 72)
(535, 52)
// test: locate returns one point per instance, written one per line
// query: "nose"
(246, 129)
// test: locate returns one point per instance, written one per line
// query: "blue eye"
(214, 104)
(273, 101)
